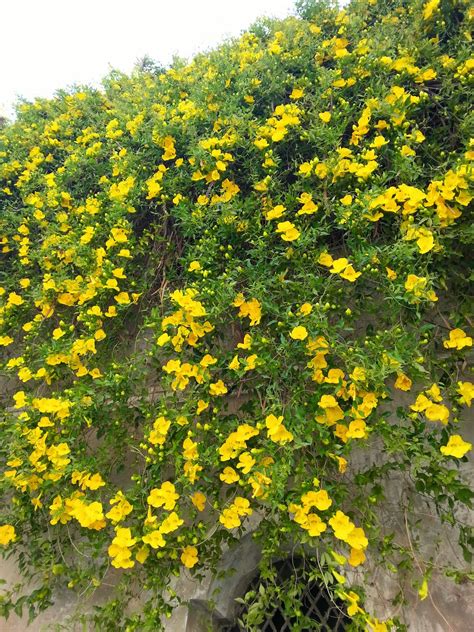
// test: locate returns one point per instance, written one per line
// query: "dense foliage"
(235, 292)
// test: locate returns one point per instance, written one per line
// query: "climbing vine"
(234, 294)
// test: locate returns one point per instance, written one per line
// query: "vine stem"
(74, 546)
(420, 568)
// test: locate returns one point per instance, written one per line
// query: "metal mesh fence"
(317, 605)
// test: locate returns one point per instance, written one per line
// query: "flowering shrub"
(214, 282)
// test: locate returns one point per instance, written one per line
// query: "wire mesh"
(317, 605)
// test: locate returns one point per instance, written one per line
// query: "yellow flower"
(325, 116)
(119, 550)
(353, 608)
(309, 207)
(341, 525)
(288, 231)
(357, 539)
(155, 539)
(417, 286)
(340, 578)
(201, 407)
(299, 333)
(120, 190)
(189, 556)
(89, 515)
(199, 500)
(217, 388)
(340, 559)
(457, 340)
(423, 590)
(142, 554)
(234, 365)
(171, 523)
(306, 309)
(319, 499)
(279, 134)
(432, 6)
(359, 374)
(407, 151)
(118, 273)
(250, 362)
(120, 508)
(261, 143)
(58, 333)
(403, 382)
(164, 496)
(246, 462)
(437, 412)
(191, 471)
(321, 170)
(379, 141)
(341, 464)
(425, 241)
(14, 299)
(160, 429)
(230, 518)
(456, 447)
(356, 557)
(305, 168)
(276, 431)
(207, 360)
(350, 274)
(280, 435)
(340, 266)
(122, 298)
(272, 422)
(296, 93)
(421, 403)
(163, 339)
(100, 335)
(194, 266)
(357, 429)
(466, 390)
(314, 525)
(242, 506)
(251, 309)
(229, 476)
(325, 259)
(190, 451)
(328, 401)
(7, 534)
(86, 481)
(275, 212)
(246, 344)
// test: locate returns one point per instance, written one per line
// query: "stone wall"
(210, 603)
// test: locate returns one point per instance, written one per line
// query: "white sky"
(51, 44)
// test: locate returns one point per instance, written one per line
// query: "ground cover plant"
(218, 281)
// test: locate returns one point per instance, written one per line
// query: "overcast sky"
(51, 44)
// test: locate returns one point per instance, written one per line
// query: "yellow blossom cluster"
(428, 403)
(276, 127)
(340, 266)
(231, 516)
